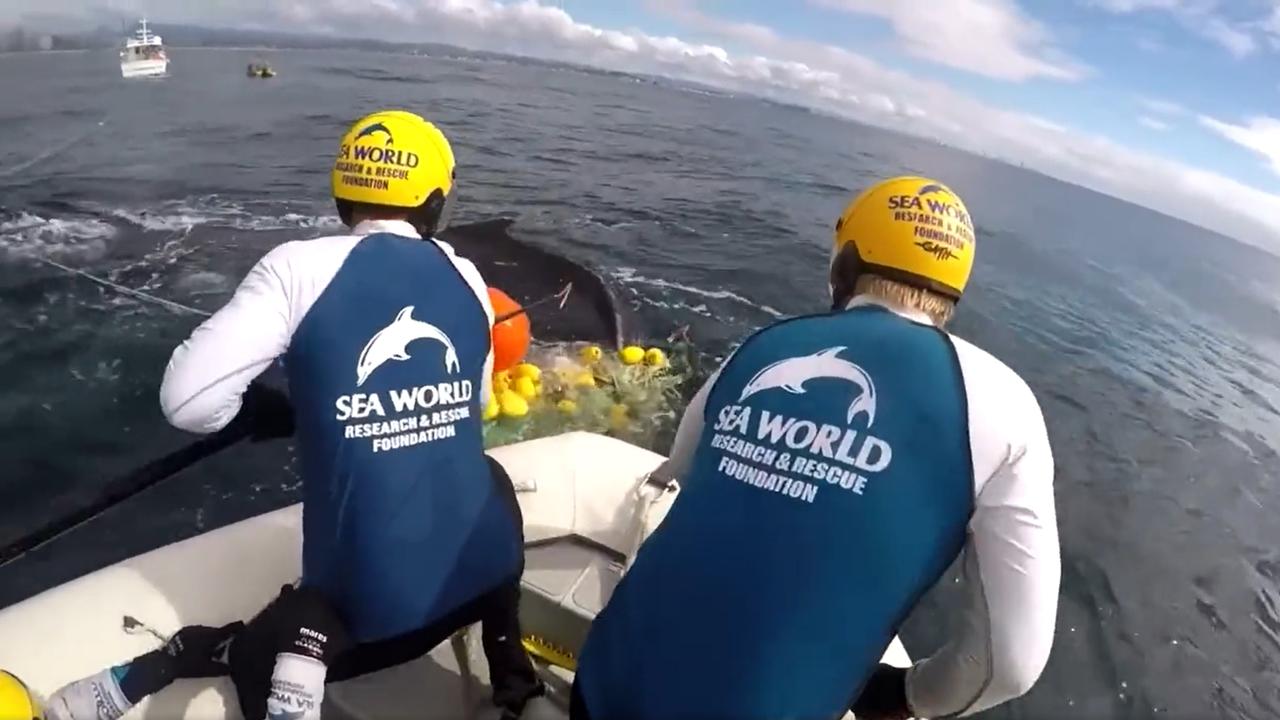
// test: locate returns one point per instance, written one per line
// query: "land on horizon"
(39, 37)
(42, 37)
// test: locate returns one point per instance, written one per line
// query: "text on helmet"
(379, 155)
(937, 207)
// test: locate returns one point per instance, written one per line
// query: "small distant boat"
(260, 70)
(143, 55)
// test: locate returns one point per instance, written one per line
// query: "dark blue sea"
(1150, 343)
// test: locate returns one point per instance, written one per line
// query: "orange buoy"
(511, 336)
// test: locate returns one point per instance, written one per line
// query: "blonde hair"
(937, 307)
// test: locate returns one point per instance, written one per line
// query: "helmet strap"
(346, 209)
(426, 217)
(846, 268)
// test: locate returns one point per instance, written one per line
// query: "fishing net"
(634, 394)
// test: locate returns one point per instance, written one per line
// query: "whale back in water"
(529, 273)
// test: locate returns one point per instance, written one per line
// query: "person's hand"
(884, 697)
(198, 651)
(194, 651)
(267, 411)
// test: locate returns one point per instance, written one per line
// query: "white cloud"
(988, 37)
(1162, 107)
(1272, 26)
(822, 76)
(1153, 123)
(1238, 42)
(687, 12)
(1259, 134)
(1128, 6)
(1150, 44)
(1202, 17)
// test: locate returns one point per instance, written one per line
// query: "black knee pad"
(299, 621)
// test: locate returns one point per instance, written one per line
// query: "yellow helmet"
(913, 230)
(395, 158)
(16, 701)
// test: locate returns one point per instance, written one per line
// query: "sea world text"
(937, 207)
(774, 452)
(406, 417)
(379, 155)
(423, 397)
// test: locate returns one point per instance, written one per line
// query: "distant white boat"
(143, 55)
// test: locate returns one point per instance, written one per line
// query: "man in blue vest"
(409, 531)
(832, 470)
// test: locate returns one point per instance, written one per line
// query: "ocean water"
(1150, 343)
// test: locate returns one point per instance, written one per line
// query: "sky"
(1173, 104)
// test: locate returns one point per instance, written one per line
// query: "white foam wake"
(184, 215)
(629, 276)
(29, 235)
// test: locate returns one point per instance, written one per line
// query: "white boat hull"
(144, 68)
(578, 484)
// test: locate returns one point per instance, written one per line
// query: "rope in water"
(562, 295)
(50, 153)
(137, 294)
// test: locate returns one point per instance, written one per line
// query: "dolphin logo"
(929, 189)
(376, 128)
(791, 375)
(392, 342)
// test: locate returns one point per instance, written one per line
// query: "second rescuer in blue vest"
(409, 531)
(832, 469)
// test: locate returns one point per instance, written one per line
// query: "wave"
(83, 230)
(51, 152)
(203, 282)
(628, 276)
(699, 309)
(29, 235)
(604, 223)
(372, 74)
(183, 216)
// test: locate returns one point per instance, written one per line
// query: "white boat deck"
(579, 498)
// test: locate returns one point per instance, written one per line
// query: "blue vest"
(401, 519)
(831, 488)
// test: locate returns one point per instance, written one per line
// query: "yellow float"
(633, 392)
(631, 355)
(525, 388)
(618, 418)
(527, 370)
(501, 382)
(512, 405)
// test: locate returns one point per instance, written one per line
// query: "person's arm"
(680, 458)
(208, 374)
(1011, 569)
(478, 286)
(685, 444)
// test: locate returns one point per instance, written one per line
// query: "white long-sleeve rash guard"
(1011, 566)
(208, 374)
